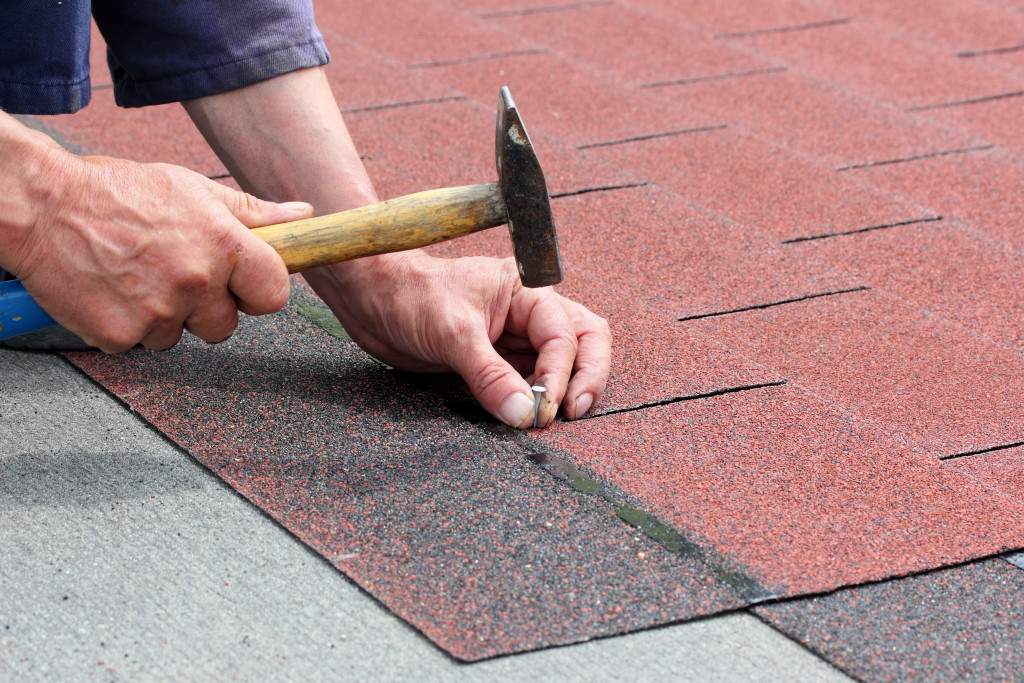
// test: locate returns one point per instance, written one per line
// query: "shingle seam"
(785, 29)
(653, 136)
(688, 397)
(964, 103)
(715, 77)
(667, 536)
(982, 451)
(543, 9)
(916, 157)
(480, 58)
(991, 51)
(857, 231)
(407, 103)
(770, 304)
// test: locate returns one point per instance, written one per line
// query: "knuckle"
(116, 341)
(488, 375)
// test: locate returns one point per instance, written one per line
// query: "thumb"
(496, 385)
(253, 212)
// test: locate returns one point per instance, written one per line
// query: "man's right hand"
(123, 253)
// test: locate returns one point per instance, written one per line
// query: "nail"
(583, 404)
(297, 207)
(537, 391)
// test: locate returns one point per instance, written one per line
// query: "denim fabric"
(158, 51)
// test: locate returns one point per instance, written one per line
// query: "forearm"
(284, 139)
(31, 164)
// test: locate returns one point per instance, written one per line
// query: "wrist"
(339, 278)
(35, 169)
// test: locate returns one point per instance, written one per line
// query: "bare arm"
(284, 139)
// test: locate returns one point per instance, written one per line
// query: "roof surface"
(802, 222)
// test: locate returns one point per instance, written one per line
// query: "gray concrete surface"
(121, 558)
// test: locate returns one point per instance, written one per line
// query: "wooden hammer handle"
(408, 222)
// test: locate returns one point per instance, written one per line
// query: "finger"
(593, 364)
(216, 320)
(552, 335)
(162, 336)
(546, 408)
(254, 212)
(259, 279)
(496, 385)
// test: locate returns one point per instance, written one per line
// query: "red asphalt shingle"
(788, 407)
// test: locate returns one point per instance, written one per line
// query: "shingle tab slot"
(715, 77)
(480, 58)
(770, 304)
(688, 397)
(884, 226)
(992, 51)
(917, 157)
(785, 29)
(963, 103)
(982, 451)
(408, 103)
(652, 136)
(603, 188)
(549, 8)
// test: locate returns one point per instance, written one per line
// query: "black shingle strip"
(771, 304)
(963, 103)
(916, 157)
(667, 536)
(480, 58)
(652, 136)
(715, 77)
(785, 29)
(543, 9)
(961, 623)
(884, 226)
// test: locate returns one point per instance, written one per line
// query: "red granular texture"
(979, 189)
(829, 480)
(1002, 469)
(945, 268)
(926, 380)
(801, 493)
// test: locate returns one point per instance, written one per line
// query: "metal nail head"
(537, 391)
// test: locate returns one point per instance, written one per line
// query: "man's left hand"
(474, 317)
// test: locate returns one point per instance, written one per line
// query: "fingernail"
(517, 409)
(583, 403)
(297, 207)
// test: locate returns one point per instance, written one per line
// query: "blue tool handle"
(19, 312)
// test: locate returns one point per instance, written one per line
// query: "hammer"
(519, 198)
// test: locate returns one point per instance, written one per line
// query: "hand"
(124, 253)
(474, 317)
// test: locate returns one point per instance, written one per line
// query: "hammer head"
(530, 224)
